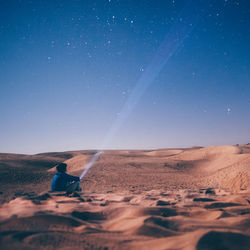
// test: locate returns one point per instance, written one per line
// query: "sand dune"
(195, 198)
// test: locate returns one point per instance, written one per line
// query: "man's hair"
(61, 167)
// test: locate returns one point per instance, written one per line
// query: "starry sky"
(123, 74)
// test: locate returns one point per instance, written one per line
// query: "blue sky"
(69, 67)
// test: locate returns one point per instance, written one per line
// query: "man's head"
(62, 167)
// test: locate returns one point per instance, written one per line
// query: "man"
(65, 182)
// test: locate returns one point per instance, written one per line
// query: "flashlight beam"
(93, 159)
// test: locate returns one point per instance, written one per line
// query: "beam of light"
(178, 32)
(92, 161)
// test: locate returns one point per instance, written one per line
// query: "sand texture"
(195, 198)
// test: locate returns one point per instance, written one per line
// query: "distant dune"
(191, 198)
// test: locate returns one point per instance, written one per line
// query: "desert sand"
(194, 198)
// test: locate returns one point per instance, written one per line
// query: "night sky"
(123, 74)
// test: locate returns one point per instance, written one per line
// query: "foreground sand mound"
(98, 221)
(223, 240)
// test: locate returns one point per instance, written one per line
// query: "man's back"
(61, 180)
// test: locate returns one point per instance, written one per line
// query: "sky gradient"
(68, 69)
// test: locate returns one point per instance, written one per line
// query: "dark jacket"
(61, 180)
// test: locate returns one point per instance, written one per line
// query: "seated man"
(65, 182)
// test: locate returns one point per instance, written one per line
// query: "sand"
(195, 198)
